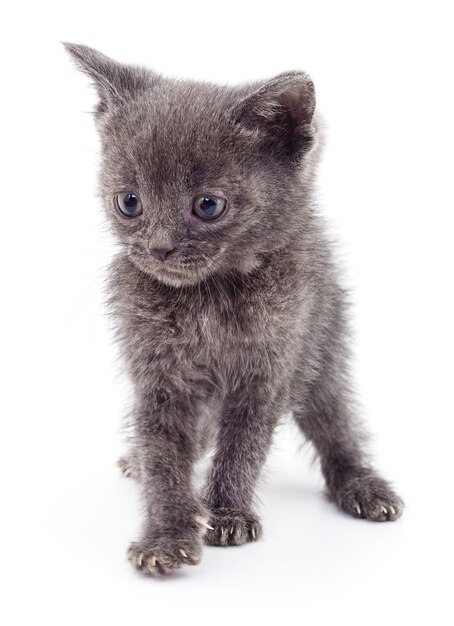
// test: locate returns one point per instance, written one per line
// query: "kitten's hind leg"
(325, 419)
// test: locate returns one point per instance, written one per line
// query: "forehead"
(178, 131)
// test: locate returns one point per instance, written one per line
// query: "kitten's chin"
(175, 280)
(168, 275)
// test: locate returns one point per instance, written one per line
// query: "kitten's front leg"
(244, 439)
(166, 447)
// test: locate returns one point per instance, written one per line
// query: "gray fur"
(244, 321)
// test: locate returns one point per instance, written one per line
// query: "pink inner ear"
(293, 101)
(298, 102)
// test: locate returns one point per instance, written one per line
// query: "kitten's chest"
(213, 327)
(210, 326)
(232, 322)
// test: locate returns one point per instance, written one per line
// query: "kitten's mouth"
(165, 271)
(178, 271)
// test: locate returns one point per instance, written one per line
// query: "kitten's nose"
(161, 253)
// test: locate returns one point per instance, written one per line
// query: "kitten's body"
(244, 322)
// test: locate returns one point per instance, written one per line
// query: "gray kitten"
(226, 298)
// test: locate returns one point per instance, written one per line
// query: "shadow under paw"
(369, 497)
(230, 527)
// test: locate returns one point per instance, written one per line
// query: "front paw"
(369, 497)
(230, 527)
(163, 554)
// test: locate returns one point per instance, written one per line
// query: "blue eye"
(129, 204)
(208, 207)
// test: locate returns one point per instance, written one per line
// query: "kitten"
(226, 298)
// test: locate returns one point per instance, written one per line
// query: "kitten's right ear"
(115, 83)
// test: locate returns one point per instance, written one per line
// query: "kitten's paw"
(162, 557)
(127, 467)
(369, 497)
(230, 527)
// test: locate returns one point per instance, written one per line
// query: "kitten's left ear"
(116, 83)
(281, 110)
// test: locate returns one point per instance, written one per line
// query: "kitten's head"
(198, 178)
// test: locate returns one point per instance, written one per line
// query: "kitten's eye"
(129, 204)
(208, 207)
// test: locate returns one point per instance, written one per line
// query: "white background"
(384, 75)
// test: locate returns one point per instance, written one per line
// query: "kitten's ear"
(116, 83)
(281, 110)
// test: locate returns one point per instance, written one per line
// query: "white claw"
(384, 510)
(392, 509)
(358, 509)
(151, 564)
(140, 559)
(202, 523)
(130, 554)
(127, 471)
(183, 553)
(232, 529)
(253, 532)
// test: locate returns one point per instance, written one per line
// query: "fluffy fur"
(243, 321)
